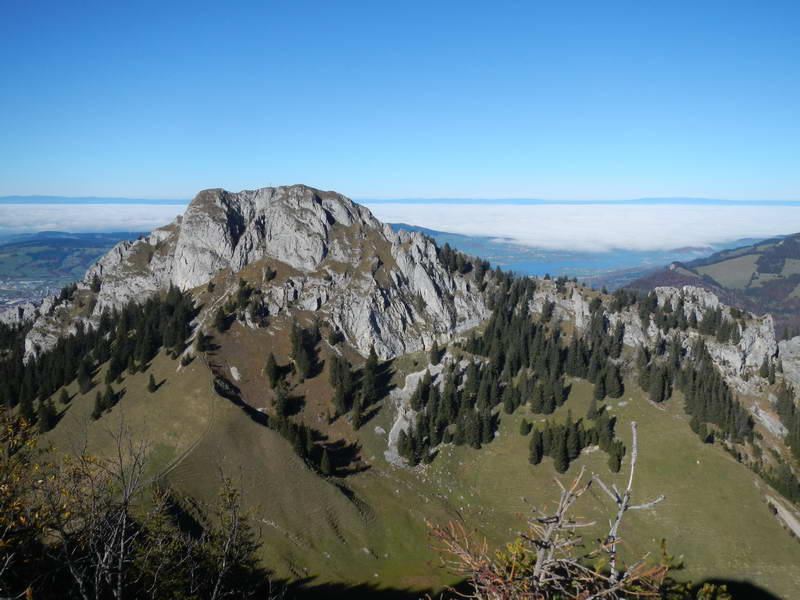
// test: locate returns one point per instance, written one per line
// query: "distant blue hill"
(514, 201)
(87, 200)
(631, 202)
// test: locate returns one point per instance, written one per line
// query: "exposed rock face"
(377, 286)
(735, 361)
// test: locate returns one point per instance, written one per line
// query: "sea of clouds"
(599, 227)
(29, 218)
(566, 226)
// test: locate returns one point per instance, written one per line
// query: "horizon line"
(37, 199)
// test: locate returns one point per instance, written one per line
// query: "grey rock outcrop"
(377, 286)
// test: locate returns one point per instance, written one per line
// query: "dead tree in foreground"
(547, 561)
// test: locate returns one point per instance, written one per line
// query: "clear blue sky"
(555, 100)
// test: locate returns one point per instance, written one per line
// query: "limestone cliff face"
(737, 362)
(377, 286)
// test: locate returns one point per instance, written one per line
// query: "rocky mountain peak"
(379, 287)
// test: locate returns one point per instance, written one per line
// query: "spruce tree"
(560, 454)
(435, 353)
(525, 427)
(325, 466)
(656, 390)
(99, 407)
(64, 397)
(614, 387)
(281, 402)
(220, 320)
(151, 384)
(84, 378)
(47, 415)
(201, 342)
(369, 383)
(536, 447)
(272, 371)
(109, 398)
(573, 441)
(357, 416)
(600, 388)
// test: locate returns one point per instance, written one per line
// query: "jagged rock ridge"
(379, 287)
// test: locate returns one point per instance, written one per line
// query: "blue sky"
(557, 100)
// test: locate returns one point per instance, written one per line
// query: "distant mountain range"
(44, 199)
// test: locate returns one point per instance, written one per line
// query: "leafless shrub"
(547, 561)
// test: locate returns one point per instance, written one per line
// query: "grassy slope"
(714, 514)
(732, 273)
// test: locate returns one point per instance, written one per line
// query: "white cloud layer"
(24, 218)
(556, 227)
(599, 227)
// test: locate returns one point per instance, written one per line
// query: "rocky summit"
(381, 288)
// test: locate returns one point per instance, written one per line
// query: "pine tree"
(369, 384)
(614, 387)
(99, 407)
(109, 398)
(357, 416)
(272, 371)
(559, 453)
(84, 378)
(64, 397)
(151, 384)
(600, 388)
(325, 466)
(220, 320)
(536, 447)
(281, 402)
(656, 388)
(201, 342)
(435, 353)
(573, 441)
(591, 413)
(46, 416)
(26, 408)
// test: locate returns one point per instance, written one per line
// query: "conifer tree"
(272, 371)
(26, 408)
(325, 466)
(151, 384)
(600, 388)
(573, 441)
(84, 379)
(656, 388)
(559, 452)
(281, 402)
(536, 447)
(99, 407)
(63, 397)
(435, 353)
(369, 384)
(613, 383)
(46, 416)
(357, 416)
(201, 342)
(525, 427)
(220, 320)
(109, 398)
(591, 413)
